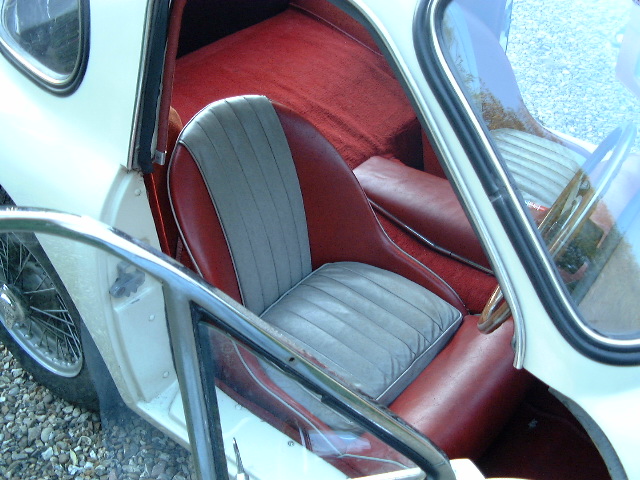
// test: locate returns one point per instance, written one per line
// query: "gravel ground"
(569, 84)
(43, 437)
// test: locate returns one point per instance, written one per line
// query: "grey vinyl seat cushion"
(375, 329)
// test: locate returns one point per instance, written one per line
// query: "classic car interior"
(306, 86)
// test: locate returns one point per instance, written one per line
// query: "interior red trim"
(425, 203)
(341, 223)
(463, 398)
(201, 229)
(175, 20)
(473, 286)
(169, 126)
(156, 185)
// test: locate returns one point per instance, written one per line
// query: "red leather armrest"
(423, 202)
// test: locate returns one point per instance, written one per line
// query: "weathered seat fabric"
(372, 327)
(297, 218)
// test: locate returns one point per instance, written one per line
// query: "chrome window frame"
(198, 390)
(59, 84)
(477, 142)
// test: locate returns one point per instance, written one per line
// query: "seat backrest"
(331, 218)
(245, 161)
(348, 317)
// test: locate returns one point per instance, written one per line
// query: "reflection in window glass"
(286, 431)
(46, 34)
(566, 129)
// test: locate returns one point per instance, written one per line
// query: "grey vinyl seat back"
(244, 158)
(371, 327)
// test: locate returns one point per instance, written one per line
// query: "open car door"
(226, 433)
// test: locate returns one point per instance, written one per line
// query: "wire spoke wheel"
(40, 324)
(33, 311)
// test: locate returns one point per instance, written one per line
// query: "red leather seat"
(462, 397)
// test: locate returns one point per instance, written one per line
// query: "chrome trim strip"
(500, 271)
(429, 243)
(235, 321)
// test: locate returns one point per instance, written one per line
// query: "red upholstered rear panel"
(341, 86)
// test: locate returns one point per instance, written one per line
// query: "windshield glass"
(557, 86)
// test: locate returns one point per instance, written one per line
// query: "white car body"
(74, 153)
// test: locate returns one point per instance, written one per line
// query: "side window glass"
(47, 39)
(565, 128)
(283, 429)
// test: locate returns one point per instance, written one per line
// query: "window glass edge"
(35, 71)
(555, 299)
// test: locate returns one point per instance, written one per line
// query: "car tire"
(39, 323)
